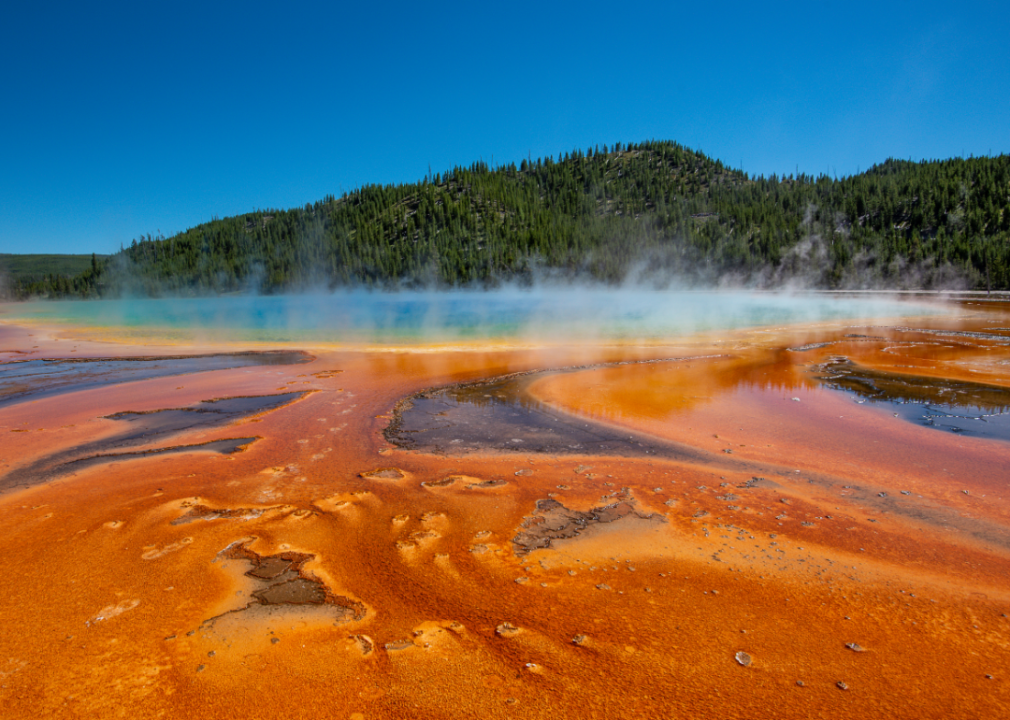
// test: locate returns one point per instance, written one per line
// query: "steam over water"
(436, 317)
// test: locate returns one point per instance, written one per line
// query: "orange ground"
(105, 601)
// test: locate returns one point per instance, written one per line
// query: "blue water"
(538, 314)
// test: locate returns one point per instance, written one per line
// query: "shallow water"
(436, 317)
(959, 406)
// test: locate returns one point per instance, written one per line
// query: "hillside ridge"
(650, 212)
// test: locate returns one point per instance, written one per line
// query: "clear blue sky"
(125, 118)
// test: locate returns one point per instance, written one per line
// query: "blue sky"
(120, 119)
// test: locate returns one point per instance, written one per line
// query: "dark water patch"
(144, 429)
(35, 379)
(226, 446)
(281, 580)
(958, 406)
(146, 426)
(498, 415)
(551, 521)
(967, 334)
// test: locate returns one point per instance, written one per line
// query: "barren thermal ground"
(787, 521)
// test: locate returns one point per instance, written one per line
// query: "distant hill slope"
(652, 211)
(23, 270)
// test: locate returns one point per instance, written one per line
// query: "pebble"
(743, 658)
(506, 629)
(841, 685)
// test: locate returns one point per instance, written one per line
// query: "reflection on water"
(523, 412)
(499, 415)
(440, 316)
(955, 405)
(503, 415)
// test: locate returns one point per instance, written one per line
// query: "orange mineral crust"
(779, 550)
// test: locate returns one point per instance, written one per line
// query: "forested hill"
(651, 211)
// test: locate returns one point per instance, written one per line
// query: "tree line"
(651, 211)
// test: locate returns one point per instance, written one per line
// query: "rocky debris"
(202, 512)
(384, 474)
(507, 629)
(365, 644)
(809, 346)
(444, 482)
(486, 484)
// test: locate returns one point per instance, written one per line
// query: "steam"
(540, 314)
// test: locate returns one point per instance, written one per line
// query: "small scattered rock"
(507, 629)
(855, 647)
(743, 658)
(841, 685)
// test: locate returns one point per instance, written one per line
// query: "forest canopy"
(651, 212)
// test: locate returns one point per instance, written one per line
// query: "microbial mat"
(536, 504)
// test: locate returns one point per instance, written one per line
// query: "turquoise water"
(413, 317)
